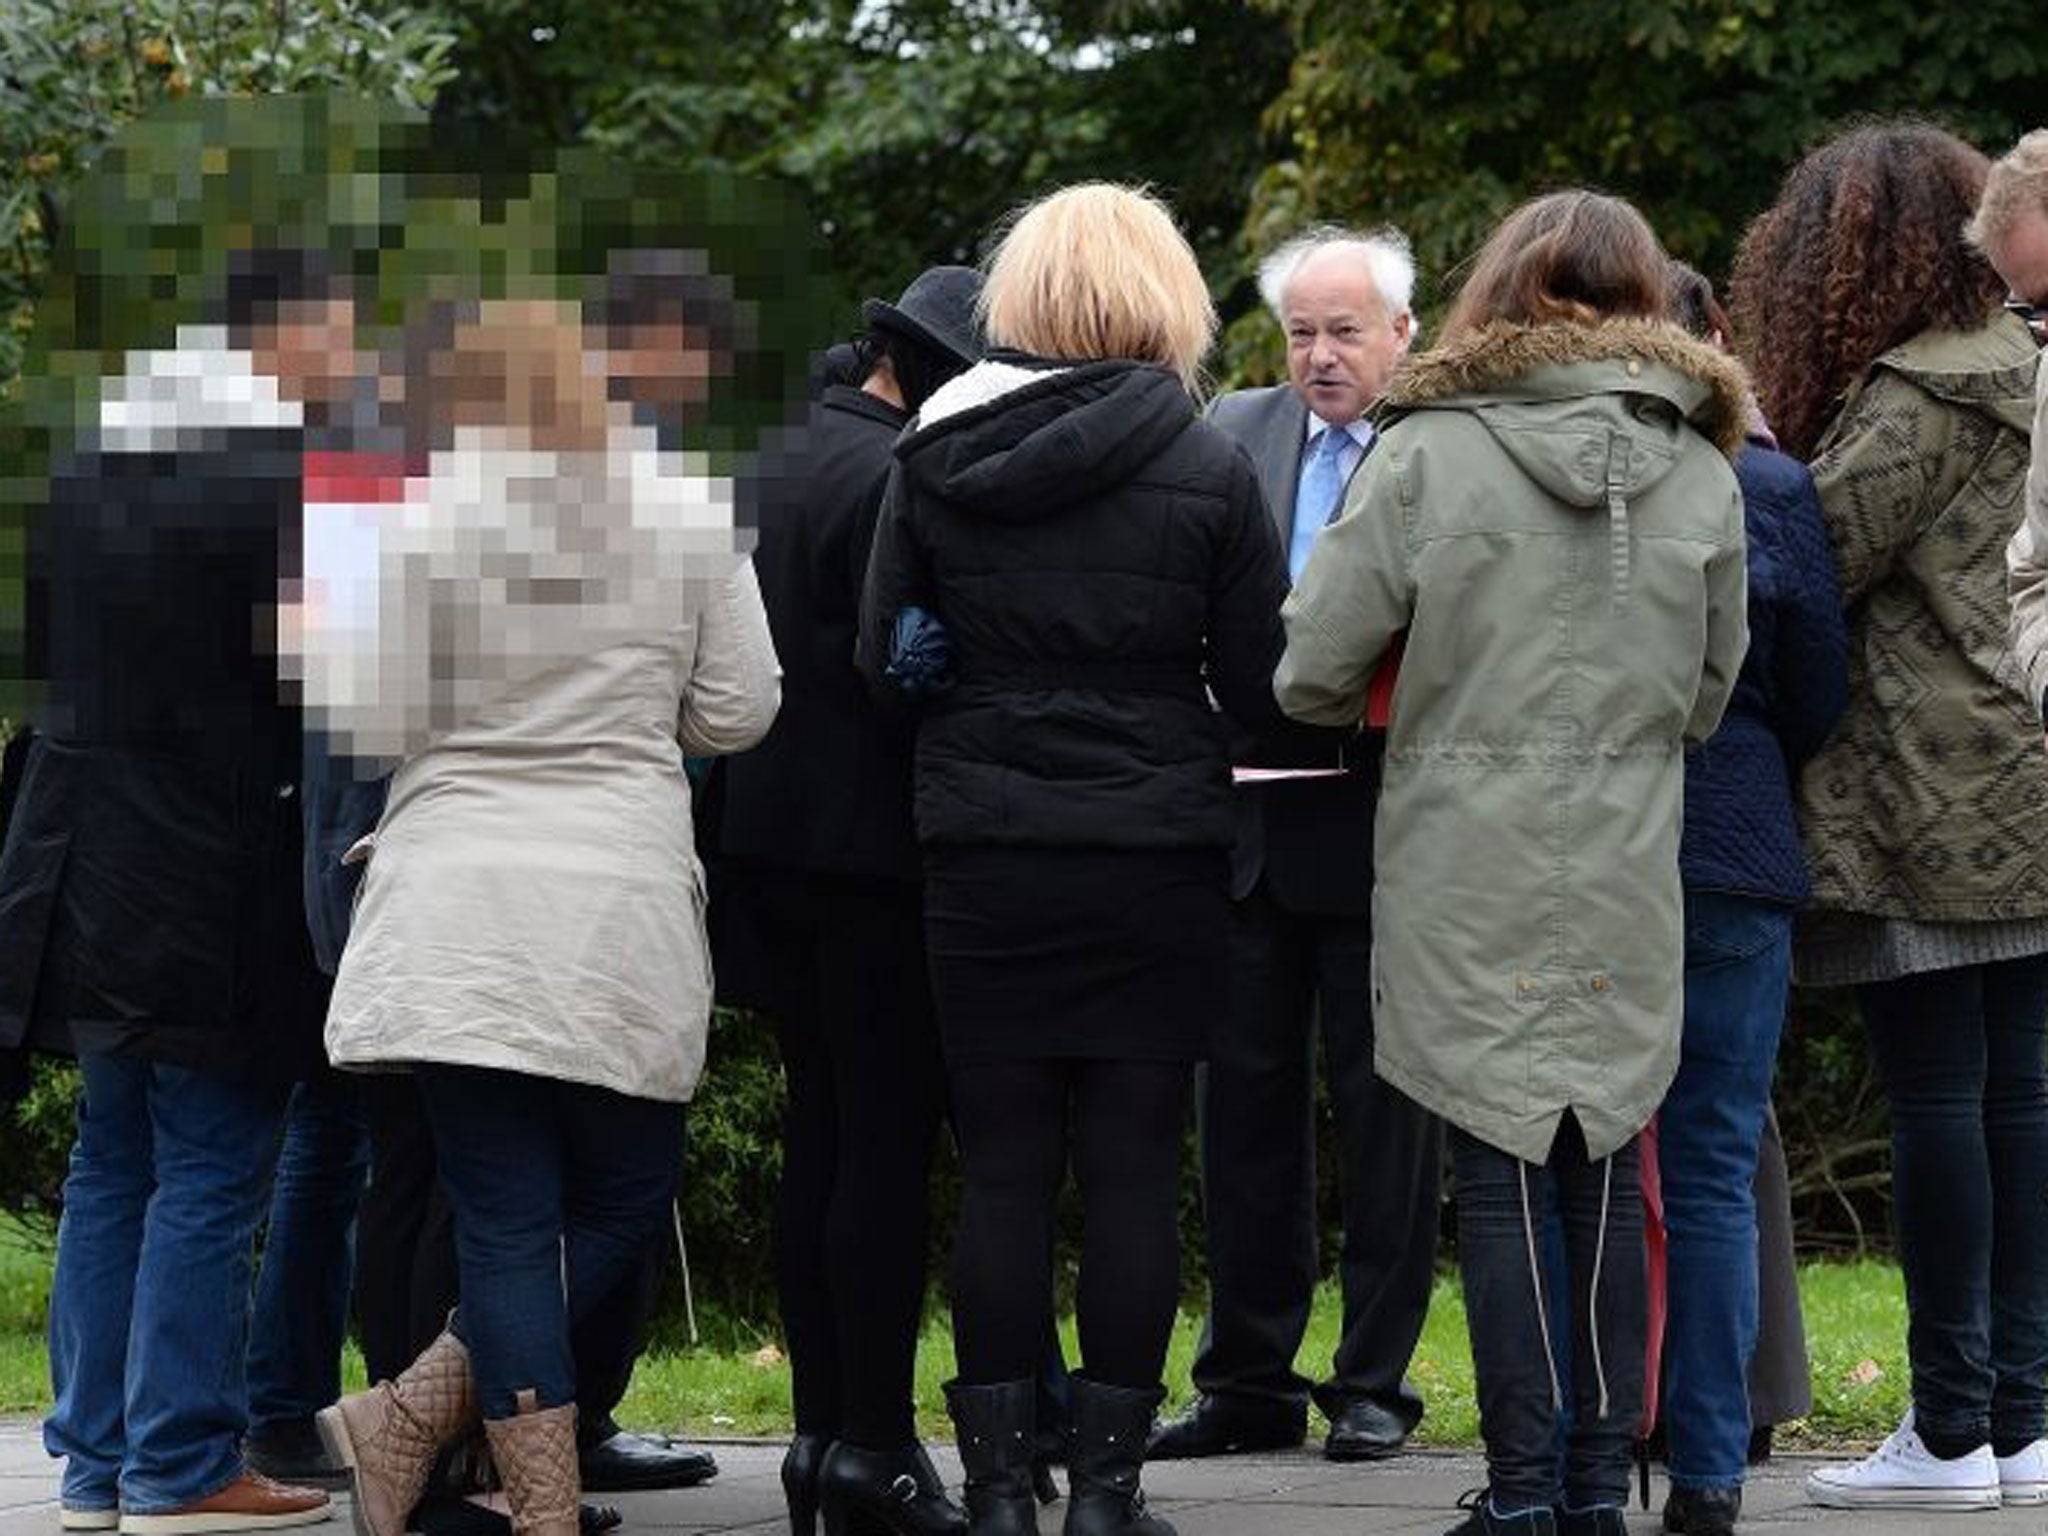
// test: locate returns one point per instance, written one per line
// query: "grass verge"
(1855, 1322)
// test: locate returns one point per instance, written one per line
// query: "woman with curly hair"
(1882, 355)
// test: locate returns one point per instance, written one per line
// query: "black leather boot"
(800, 1466)
(997, 1447)
(1111, 1426)
(863, 1492)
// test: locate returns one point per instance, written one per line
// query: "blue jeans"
(1738, 962)
(1964, 1058)
(549, 1182)
(308, 1254)
(149, 1309)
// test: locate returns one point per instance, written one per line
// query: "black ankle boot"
(1111, 1426)
(997, 1445)
(899, 1492)
(800, 1482)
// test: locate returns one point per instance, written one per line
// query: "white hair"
(1385, 251)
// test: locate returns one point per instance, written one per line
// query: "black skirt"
(1076, 953)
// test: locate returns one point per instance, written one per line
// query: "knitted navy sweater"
(1740, 835)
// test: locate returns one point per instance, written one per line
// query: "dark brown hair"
(1694, 306)
(1576, 256)
(1863, 249)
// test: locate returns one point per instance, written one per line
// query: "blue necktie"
(1317, 499)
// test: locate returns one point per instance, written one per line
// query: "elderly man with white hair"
(1301, 883)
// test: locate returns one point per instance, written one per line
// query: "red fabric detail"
(1657, 1273)
(346, 475)
(1379, 693)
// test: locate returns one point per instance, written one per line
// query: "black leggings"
(1013, 1120)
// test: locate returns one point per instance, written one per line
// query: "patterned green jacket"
(1926, 803)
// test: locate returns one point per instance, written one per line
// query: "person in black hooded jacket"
(1105, 571)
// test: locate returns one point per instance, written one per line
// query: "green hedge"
(1832, 1113)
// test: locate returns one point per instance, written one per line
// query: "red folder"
(1379, 692)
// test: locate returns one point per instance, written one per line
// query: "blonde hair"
(2018, 181)
(1099, 270)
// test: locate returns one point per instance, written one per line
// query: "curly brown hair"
(1863, 249)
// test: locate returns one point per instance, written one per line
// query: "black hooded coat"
(1106, 569)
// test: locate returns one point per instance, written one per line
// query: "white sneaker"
(1903, 1474)
(75, 1519)
(2023, 1476)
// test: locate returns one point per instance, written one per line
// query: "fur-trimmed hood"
(1504, 362)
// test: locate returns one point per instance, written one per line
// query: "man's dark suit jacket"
(1312, 839)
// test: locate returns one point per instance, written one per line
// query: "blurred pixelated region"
(323, 409)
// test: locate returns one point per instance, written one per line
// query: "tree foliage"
(73, 72)
(911, 127)
(1441, 114)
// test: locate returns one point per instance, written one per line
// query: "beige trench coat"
(533, 901)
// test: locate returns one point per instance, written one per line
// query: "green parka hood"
(1594, 415)
(1990, 371)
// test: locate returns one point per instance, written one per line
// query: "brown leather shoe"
(389, 1436)
(535, 1453)
(252, 1502)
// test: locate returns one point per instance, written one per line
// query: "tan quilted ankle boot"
(389, 1436)
(535, 1453)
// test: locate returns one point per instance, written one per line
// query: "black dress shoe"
(1702, 1511)
(291, 1451)
(627, 1463)
(1363, 1430)
(1217, 1426)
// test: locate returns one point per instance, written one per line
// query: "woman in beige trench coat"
(556, 620)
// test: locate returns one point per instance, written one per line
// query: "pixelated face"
(1341, 342)
(2021, 258)
(310, 349)
(662, 365)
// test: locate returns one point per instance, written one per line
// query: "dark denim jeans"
(1961, 1054)
(1738, 959)
(549, 1181)
(149, 1309)
(308, 1254)
(1532, 1346)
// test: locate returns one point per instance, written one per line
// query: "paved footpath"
(1297, 1494)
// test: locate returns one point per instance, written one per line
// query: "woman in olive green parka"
(1552, 523)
